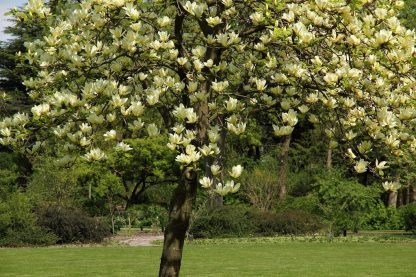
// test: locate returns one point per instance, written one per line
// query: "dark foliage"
(235, 221)
(289, 222)
(72, 225)
(226, 221)
(409, 217)
(33, 235)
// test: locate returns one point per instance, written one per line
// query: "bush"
(33, 235)
(309, 204)
(408, 213)
(72, 225)
(237, 221)
(381, 218)
(289, 222)
(18, 223)
(226, 221)
(343, 202)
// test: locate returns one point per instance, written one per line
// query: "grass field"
(242, 259)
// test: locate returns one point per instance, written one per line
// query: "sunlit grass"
(228, 259)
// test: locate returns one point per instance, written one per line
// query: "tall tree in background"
(408, 14)
(114, 70)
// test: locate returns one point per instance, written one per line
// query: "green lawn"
(245, 259)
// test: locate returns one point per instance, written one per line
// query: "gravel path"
(140, 239)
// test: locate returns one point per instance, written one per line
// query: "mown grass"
(218, 259)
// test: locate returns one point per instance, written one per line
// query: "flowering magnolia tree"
(110, 70)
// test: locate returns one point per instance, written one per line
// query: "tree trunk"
(179, 215)
(329, 159)
(412, 194)
(407, 195)
(283, 167)
(392, 201)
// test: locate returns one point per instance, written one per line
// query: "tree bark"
(329, 159)
(412, 194)
(284, 160)
(179, 215)
(392, 201)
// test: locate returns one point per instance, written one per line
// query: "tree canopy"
(109, 71)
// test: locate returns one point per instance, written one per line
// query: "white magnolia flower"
(111, 117)
(206, 182)
(180, 112)
(136, 125)
(361, 166)
(303, 109)
(214, 21)
(290, 117)
(365, 147)
(182, 61)
(179, 128)
(289, 16)
(220, 86)
(124, 147)
(236, 171)
(20, 119)
(206, 150)
(261, 84)
(95, 154)
(227, 188)
(136, 108)
(382, 37)
(164, 21)
(110, 135)
(40, 110)
(175, 139)
(350, 135)
(183, 159)
(84, 142)
(227, 3)
(381, 165)
(85, 128)
(257, 18)
(331, 78)
(282, 131)
(351, 154)
(6, 132)
(215, 169)
(214, 134)
(5, 141)
(231, 104)
(191, 116)
(152, 130)
(231, 187)
(117, 101)
(131, 11)
(391, 186)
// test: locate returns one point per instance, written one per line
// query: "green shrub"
(408, 213)
(308, 204)
(33, 235)
(72, 225)
(343, 202)
(238, 221)
(18, 223)
(226, 221)
(289, 222)
(382, 218)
